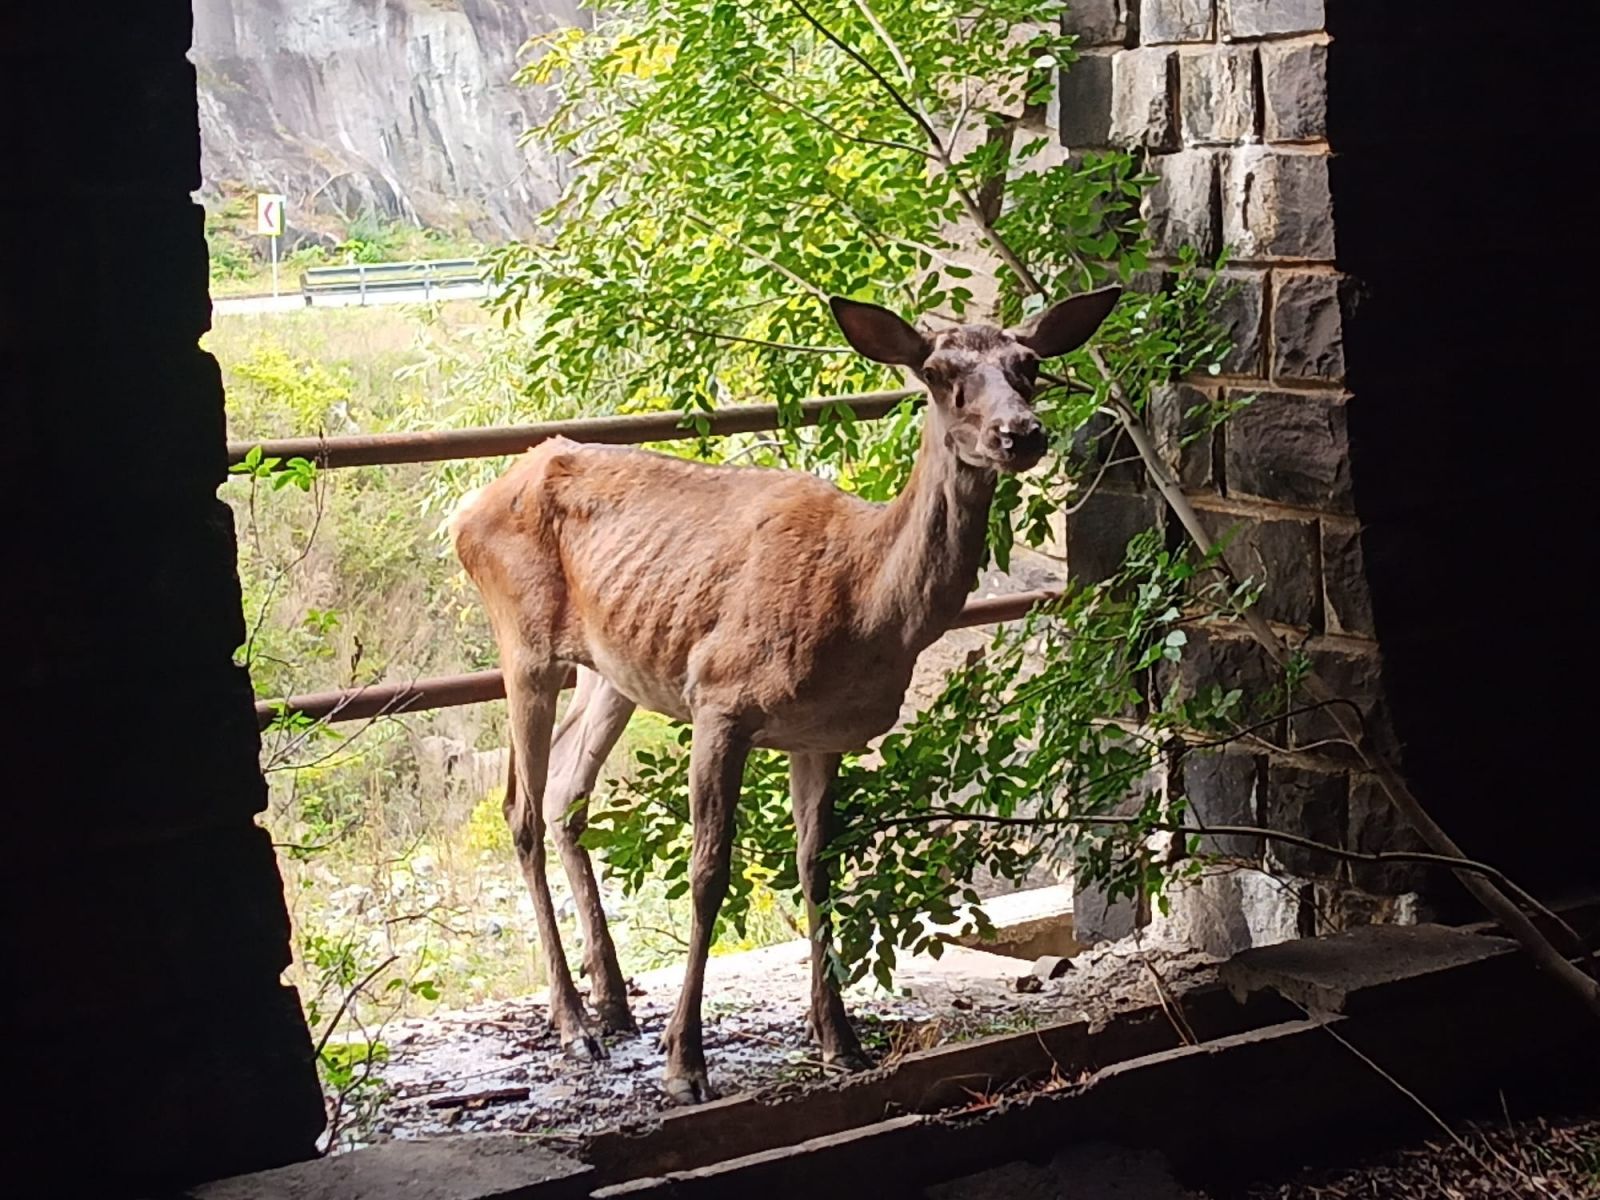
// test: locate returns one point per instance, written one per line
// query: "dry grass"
(1557, 1159)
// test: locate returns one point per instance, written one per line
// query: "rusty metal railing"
(385, 449)
(449, 691)
(444, 445)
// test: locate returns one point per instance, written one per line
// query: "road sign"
(269, 213)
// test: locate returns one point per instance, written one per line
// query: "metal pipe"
(379, 449)
(450, 691)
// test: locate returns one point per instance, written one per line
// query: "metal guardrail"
(364, 279)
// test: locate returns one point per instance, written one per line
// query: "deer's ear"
(878, 333)
(1068, 325)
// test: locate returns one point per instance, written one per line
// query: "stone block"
(1097, 918)
(1290, 447)
(1220, 789)
(1098, 533)
(1084, 97)
(1376, 827)
(1174, 416)
(1294, 91)
(1148, 282)
(1143, 90)
(1100, 445)
(1270, 18)
(1217, 95)
(1226, 657)
(1346, 600)
(1307, 326)
(1313, 804)
(1035, 149)
(1341, 908)
(1176, 21)
(1098, 22)
(1353, 672)
(1239, 307)
(1180, 208)
(1222, 913)
(1276, 204)
(1280, 556)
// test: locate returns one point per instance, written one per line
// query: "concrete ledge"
(1029, 924)
(1325, 974)
(467, 1167)
(1463, 1019)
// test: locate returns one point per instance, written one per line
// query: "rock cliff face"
(404, 107)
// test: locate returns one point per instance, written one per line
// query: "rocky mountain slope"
(403, 108)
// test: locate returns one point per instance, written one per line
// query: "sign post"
(269, 220)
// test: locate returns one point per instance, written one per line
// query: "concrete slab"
(1029, 924)
(1323, 974)
(1087, 1172)
(465, 1167)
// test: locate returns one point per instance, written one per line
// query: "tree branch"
(349, 997)
(1449, 861)
(893, 92)
(746, 341)
(886, 143)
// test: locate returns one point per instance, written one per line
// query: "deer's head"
(981, 378)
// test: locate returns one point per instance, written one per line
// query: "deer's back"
(686, 584)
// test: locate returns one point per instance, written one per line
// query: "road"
(230, 306)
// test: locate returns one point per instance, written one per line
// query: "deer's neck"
(930, 541)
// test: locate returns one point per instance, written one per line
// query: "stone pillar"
(149, 1039)
(1226, 102)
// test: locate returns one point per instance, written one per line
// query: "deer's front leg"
(716, 768)
(811, 792)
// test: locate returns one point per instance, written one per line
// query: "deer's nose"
(1022, 434)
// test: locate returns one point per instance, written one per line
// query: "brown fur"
(765, 607)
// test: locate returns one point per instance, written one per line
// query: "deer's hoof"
(615, 1017)
(585, 1048)
(692, 1087)
(847, 1060)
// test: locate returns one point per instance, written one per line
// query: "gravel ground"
(754, 1031)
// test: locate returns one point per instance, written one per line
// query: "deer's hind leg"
(531, 697)
(811, 779)
(593, 723)
(716, 768)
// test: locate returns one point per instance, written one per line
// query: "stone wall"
(1226, 100)
(148, 1039)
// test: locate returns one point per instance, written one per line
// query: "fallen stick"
(475, 1099)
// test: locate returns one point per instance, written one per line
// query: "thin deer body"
(766, 608)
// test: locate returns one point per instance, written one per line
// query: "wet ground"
(498, 1067)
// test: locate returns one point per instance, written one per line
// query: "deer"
(763, 607)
